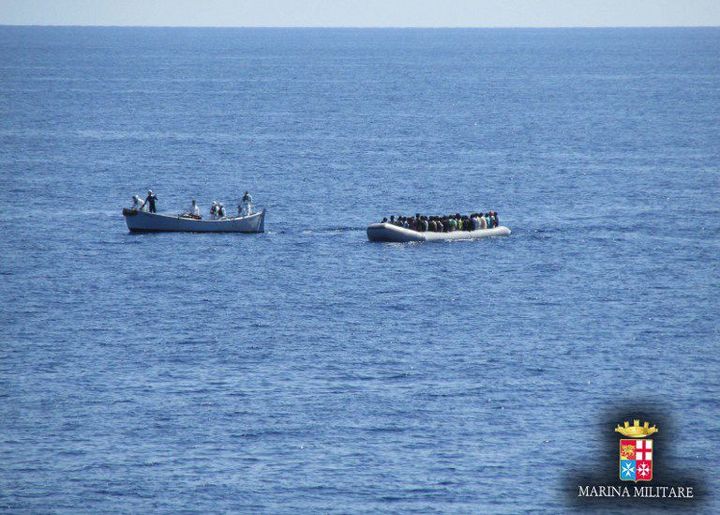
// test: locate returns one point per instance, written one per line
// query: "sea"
(306, 369)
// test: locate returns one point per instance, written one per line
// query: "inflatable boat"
(393, 233)
(142, 221)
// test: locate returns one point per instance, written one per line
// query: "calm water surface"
(305, 369)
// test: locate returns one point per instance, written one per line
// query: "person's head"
(150, 192)
(193, 202)
(384, 219)
(392, 218)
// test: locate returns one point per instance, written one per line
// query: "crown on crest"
(636, 430)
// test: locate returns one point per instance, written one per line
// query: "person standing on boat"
(150, 201)
(194, 209)
(137, 203)
(246, 206)
(220, 211)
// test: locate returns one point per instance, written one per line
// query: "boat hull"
(142, 221)
(392, 233)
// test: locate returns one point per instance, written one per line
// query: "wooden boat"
(393, 233)
(142, 221)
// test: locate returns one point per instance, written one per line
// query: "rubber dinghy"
(393, 233)
(142, 221)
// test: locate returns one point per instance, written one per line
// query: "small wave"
(330, 230)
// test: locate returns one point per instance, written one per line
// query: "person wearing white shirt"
(137, 203)
(483, 221)
(246, 206)
(194, 210)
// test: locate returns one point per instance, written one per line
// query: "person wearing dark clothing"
(150, 201)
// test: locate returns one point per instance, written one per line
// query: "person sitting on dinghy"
(482, 222)
(214, 210)
(150, 201)
(221, 211)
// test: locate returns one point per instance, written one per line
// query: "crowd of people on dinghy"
(446, 223)
(217, 209)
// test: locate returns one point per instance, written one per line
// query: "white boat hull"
(142, 221)
(393, 233)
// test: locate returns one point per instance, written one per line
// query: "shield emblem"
(636, 460)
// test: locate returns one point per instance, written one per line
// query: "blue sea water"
(306, 369)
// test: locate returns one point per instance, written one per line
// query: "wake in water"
(332, 230)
